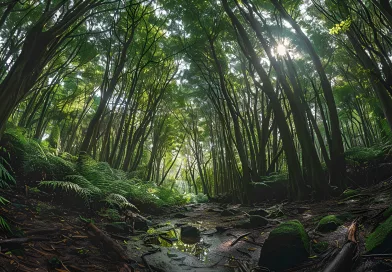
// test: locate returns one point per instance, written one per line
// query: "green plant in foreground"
(5, 179)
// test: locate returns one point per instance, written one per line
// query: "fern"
(4, 225)
(67, 187)
(364, 154)
(120, 202)
(5, 176)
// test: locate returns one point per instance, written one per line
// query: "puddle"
(172, 239)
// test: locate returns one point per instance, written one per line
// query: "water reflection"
(172, 238)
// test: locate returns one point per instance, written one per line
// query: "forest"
(197, 135)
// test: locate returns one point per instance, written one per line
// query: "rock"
(286, 246)
(227, 213)
(349, 193)
(142, 225)
(380, 241)
(172, 255)
(320, 247)
(329, 223)
(118, 228)
(221, 229)
(387, 213)
(258, 221)
(260, 212)
(190, 234)
(301, 210)
(180, 215)
(244, 224)
(215, 210)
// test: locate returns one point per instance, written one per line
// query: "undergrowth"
(84, 178)
(5, 180)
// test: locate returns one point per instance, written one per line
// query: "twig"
(376, 255)
(239, 238)
(244, 252)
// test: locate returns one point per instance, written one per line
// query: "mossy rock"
(258, 221)
(286, 246)
(387, 213)
(329, 223)
(320, 247)
(380, 241)
(349, 193)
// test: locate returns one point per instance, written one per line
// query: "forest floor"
(54, 238)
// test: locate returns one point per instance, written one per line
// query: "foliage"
(341, 27)
(349, 193)
(193, 198)
(54, 137)
(5, 179)
(67, 187)
(364, 154)
(116, 200)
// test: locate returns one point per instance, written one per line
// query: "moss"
(387, 213)
(286, 246)
(320, 247)
(329, 223)
(380, 241)
(292, 228)
(349, 193)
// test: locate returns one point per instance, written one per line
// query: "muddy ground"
(58, 239)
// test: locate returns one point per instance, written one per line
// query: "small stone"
(118, 228)
(258, 221)
(180, 215)
(260, 212)
(329, 223)
(227, 213)
(171, 255)
(349, 193)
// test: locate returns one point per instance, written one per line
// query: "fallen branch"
(377, 256)
(15, 242)
(239, 238)
(343, 261)
(109, 243)
(40, 231)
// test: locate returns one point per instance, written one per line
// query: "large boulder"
(286, 246)
(380, 241)
(329, 223)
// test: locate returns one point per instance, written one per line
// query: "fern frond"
(3, 201)
(120, 201)
(67, 187)
(5, 176)
(4, 225)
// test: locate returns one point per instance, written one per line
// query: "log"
(109, 243)
(343, 261)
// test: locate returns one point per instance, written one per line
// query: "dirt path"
(59, 241)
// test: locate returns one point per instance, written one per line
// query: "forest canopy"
(215, 97)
